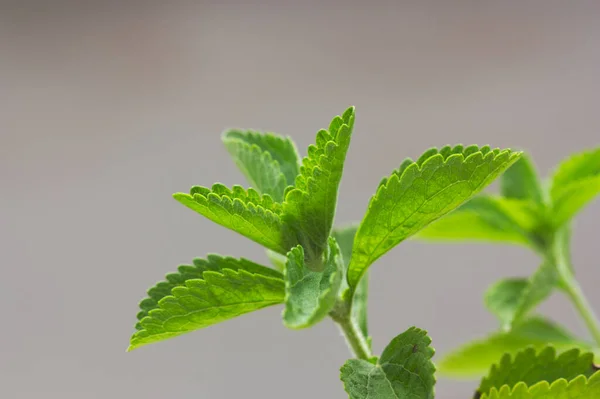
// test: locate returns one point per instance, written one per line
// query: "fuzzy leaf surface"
(530, 367)
(200, 302)
(404, 370)
(419, 193)
(213, 262)
(243, 211)
(269, 162)
(310, 295)
(473, 359)
(309, 207)
(576, 182)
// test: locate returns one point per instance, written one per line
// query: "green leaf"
(184, 273)
(503, 299)
(521, 181)
(217, 290)
(576, 182)
(418, 194)
(269, 162)
(530, 367)
(511, 300)
(244, 211)
(309, 207)
(475, 358)
(345, 238)
(404, 371)
(485, 218)
(310, 295)
(578, 388)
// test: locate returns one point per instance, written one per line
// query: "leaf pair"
(291, 203)
(542, 375)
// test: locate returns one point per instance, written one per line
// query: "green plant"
(539, 216)
(321, 271)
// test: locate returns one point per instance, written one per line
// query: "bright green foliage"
(504, 297)
(309, 207)
(290, 210)
(269, 162)
(310, 295)
(404, 370)
(244, 211)
(574, 184)
(512, 299)
(485, 218)
(530, 367)
(184, 273)
(419, 193)
(578, 388)
(474, 358)
(521, 181)
(223, 291)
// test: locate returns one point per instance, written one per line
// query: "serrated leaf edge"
(542, 386)
(384, 185)
(187, 286)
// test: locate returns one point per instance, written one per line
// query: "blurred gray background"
(106, 108)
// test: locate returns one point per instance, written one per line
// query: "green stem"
(561, 256)
(574, 292)
(342, 315)
(355, 339)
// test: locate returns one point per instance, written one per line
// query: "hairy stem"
(355, 339)
(342, 315)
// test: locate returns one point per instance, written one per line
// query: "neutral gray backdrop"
(109, 107)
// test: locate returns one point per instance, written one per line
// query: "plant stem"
(355, 339)
(574, 292)
(560, 254)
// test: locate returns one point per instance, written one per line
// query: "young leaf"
(184, 273)
(310, 295)
(404, 371)
(419, 193)
(513, 299)
(576, 182)
(578, 388)
(244, 211)
(504, 297)
(474, 359)
(530, 367)
(269, 162)
(345, 238)
(485, 218)
(201, 302)
(309, 207)
(521, 181)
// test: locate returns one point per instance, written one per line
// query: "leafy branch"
(321, 271)
(527, 214)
